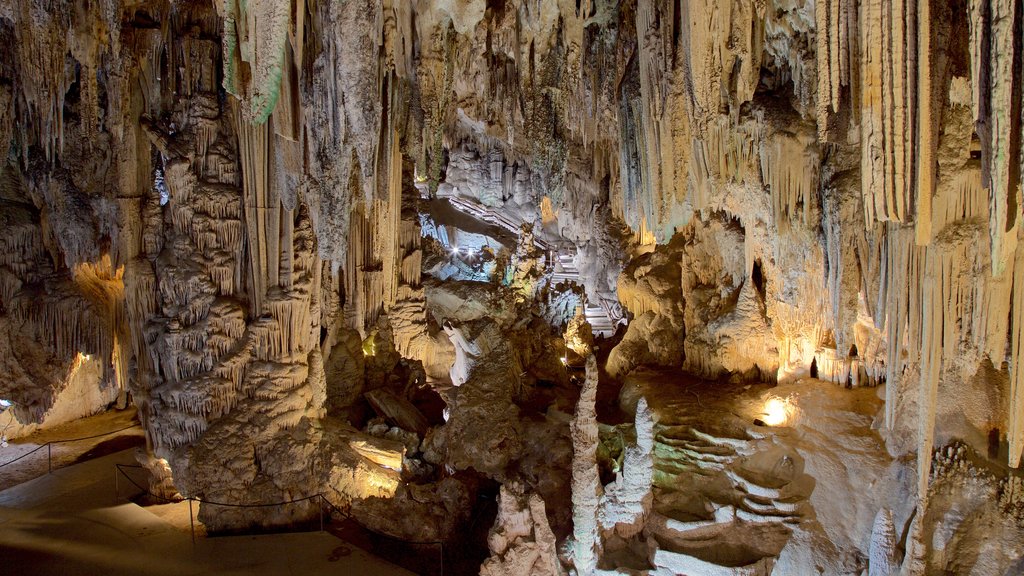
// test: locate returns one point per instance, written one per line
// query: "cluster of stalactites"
(262, 52)
(937, 220)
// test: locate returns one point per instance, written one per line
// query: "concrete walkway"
(69, 522)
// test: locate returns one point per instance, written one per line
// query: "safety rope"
(66, 440)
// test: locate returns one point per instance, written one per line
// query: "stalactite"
(725, 154)
(1015, 425)
(900, 267)
(792, 184)
(994, 98)
(377, 245)
(262, 207)
(256, 34)
(889, 77)
(42, 54)
(655, 141)
(935, 288)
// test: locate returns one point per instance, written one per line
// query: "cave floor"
(98, 443)
(71, 522)
(737, 470)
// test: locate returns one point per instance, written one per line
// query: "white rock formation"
(627, 501)
(586, 485)
(882, 550)
(466, 354)
(521, 541)
(161, 478)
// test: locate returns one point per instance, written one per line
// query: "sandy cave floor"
(71, 522)
(67, 453)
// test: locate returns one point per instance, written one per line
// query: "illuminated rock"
(220, 203)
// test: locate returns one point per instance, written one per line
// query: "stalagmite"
(586, 486)
(626, 503)
(882, 550)
(466, 354)
(360, 248)
(521, 541)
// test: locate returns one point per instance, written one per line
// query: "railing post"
(117, 493)
(191, 522)
(49, 458)
(321, 512)
(441, 546)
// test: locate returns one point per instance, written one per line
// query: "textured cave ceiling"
(691, 287)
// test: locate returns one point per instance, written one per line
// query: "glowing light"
(5, 403)
(565, 361)
(370, 344)
(776, 411)
(390, 459)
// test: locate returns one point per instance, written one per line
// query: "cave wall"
(211, 197)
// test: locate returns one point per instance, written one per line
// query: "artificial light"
(776, 411)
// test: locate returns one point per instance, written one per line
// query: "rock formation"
(521, 541)
(586, 485)
(881, 552)
(359, 248)
(626, 503)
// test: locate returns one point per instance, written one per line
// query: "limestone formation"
(626, 503)
(361, 248)
(521, 541)
(881, 552)
(586, 485)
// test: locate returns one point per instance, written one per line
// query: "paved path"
(70, 522)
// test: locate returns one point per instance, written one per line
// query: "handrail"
(50, 443)
(322, 497)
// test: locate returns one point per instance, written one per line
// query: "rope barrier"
(136, 484)
(24, 455)
(368, 529)
(133, 425)
(323, 499)
(67, 440)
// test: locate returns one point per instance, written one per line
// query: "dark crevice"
(757, 277)
(1016, 94)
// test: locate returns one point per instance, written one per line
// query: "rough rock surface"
(335, 247)
(521, 541)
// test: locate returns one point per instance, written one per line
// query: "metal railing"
(49, 447)
(324, 505)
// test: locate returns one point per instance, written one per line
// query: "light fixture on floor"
(775, 411)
